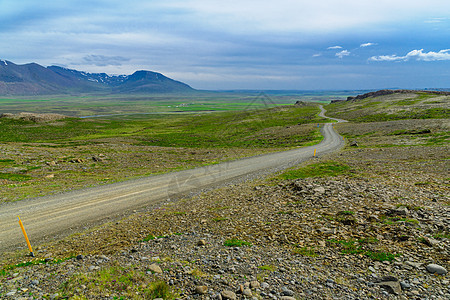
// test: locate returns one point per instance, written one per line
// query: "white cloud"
(303, 15)
(102, 60)
(418, 55)
(367, 45)
(343, 53)
(317, 55)
(435, 20)
(334, 47)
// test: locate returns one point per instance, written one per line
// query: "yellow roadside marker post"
(315, 152)
(26, 237)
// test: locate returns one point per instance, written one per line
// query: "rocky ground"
(379, 230)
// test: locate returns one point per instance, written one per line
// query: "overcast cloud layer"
(245, 44)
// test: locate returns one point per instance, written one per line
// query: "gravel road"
(51, 217)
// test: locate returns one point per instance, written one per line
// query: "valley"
(367, 221)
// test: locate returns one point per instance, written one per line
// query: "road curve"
(51, 217)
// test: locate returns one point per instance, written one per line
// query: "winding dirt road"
(51, 217)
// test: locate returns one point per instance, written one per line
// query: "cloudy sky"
(245, 44)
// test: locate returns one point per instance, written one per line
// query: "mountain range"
(34, 79)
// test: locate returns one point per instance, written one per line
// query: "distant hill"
(34, 79)
(389, 105)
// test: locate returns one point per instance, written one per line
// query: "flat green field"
(92, 105)
(41, 158)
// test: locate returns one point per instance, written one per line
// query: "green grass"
(305, 251)
(15, 177)
(360, 247)
(346, 213)
(180, 213)
(7, 268)
(442, 235)
(408, 206)
(254, 128)
(158, 289)
(411, 101)
(323, 169)
(431, 113)
(438, 139)
(119, 283)
(236, 243)
(149, 238)
(6, 162)
(218, 219)
(396, 220)
(270, 268)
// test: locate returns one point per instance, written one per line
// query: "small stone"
(431, 242)
(35, 282)
(393, 287)
(413, 264)
(201, 289)
(434, 268)
(12, 293)
(264, 285)
(228, 295)
(240, 289)
(320, 190)
(287, 298)
(404, 285)
(255, 284)
(247, 292)
(388, 278)
(201, 243)
(286, 292)
(401, 211)
(93, 268)
(154, 268)
(80, 256)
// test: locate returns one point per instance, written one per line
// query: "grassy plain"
(90, 105)
(41, 158)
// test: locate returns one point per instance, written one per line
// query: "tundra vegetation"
(365, 222)
(41, 157)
